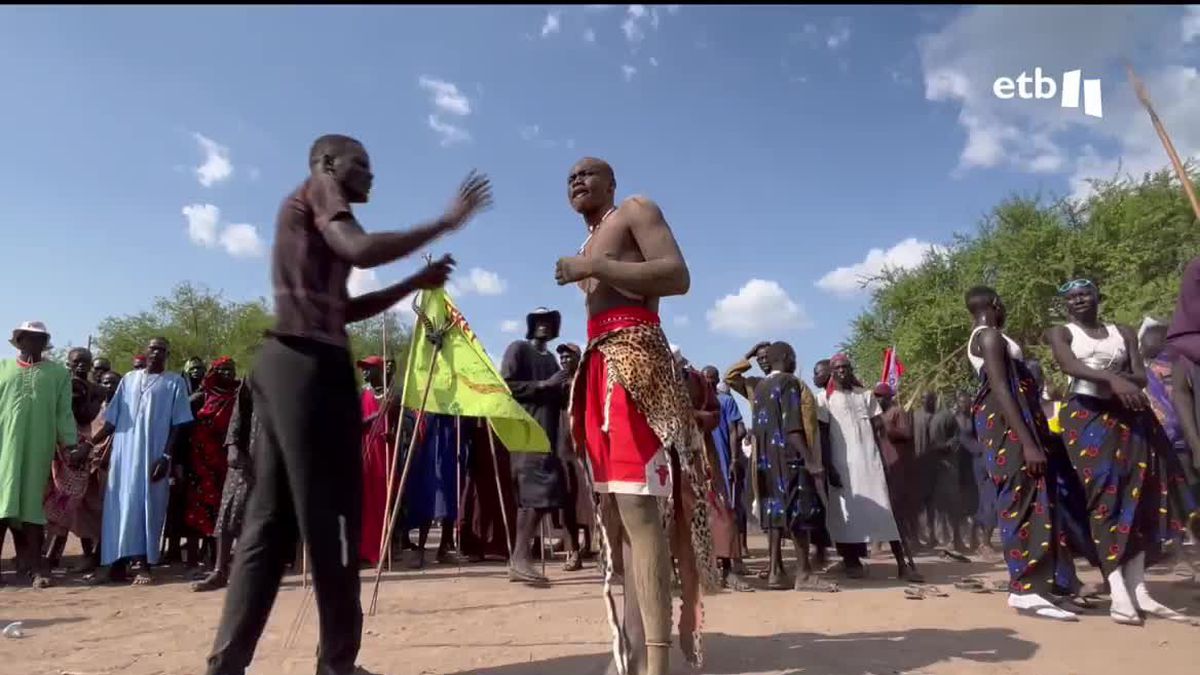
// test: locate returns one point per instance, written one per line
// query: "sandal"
(913, 593)
(929, 590)
(813, 584)
(573, 563)
(972, 585)
(1126, 619)
(736, 585)
(213, 582)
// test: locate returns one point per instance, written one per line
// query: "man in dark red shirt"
(309, 467)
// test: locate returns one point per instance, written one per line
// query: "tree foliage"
(1132, 237)
(199, 322)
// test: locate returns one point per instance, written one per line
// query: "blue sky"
(783, 144)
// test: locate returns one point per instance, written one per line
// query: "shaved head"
(591, 186)
(331, 145)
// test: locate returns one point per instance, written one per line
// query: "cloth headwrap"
(1148, 323)
(224, 360)
(835, 360)
(883, 390)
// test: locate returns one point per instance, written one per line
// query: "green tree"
(199, 322)
(1132, 237)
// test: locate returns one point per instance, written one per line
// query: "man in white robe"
(860, 512)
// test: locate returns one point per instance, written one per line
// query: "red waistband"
(618, 318)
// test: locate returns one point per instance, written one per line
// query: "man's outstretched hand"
(474, 196)
(434, 274)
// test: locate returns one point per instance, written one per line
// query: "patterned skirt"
(1138, 500)
(238, 483)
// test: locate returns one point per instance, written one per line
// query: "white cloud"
(363, 281)
(589, 35)
(242, 241)
(838, 38)
(1191, 23)
(598, 8)
(961, 62)
(682, 320)
(204, 229)
(848, 281)
(446, 96)
(478, 281)
(530, 132)
(760, 308)
(632, 25)
(628, 71)
(551, 25)
(653, 62)
(216, 167)
(511, 327)
(202, 222)
(451, 134)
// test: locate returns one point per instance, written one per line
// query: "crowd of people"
(650, 458)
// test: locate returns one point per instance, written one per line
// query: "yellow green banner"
(465, 380)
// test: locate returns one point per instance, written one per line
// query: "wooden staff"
(387, 453)
(933, 375)
(385, 543)
(458, 487)
(391, 521)
(499, 491)
(1140, 89)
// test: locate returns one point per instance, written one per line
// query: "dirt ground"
(447, 620)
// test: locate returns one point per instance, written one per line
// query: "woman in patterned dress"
(208, 461)
(1137, 497)
(1011, 427)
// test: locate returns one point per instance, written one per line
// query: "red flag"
(893, 369)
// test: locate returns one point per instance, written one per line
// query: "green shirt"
(35, 416)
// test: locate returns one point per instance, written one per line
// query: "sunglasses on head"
(1072, 285)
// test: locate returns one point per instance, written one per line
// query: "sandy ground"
(449, 620)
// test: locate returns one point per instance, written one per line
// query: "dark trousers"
(309, 478)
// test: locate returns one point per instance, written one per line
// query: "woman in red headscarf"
(208, 458)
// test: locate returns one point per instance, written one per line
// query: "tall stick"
(412, 450)
(387, 453)
(499, 490)
(1140, 89)
(385, 543)
(458, 459)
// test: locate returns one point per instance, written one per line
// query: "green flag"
(465, 381)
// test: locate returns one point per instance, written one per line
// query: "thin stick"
(387, 453)
(499, 491)
(933, 375)
(542, 546)
(458, 488)
(412, 450)
(1140, 89)
(385, 543)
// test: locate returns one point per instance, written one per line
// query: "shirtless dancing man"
(309, 466)
(638, 430)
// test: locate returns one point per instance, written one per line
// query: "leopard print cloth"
(639, 359)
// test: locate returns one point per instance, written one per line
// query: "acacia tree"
(1131, 237)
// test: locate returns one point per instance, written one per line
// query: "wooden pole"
(458, 459)
(387, 453)
(412, 450)
(1140, 89)
(385, 543)
(499, 491)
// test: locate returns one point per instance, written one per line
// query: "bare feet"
(779, 583)
(524, 573)
(41, 581)
(910, 574)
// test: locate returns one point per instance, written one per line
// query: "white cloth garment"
(861, 510)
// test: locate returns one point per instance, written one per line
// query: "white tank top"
(1014, 350)
(1109, 352)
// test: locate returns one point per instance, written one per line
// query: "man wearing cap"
(35, 417)
(540, 386)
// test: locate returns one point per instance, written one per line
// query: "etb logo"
(1044, 87)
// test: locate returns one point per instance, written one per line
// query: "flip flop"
(1169, 614)
(1047, 613)
(972, 585)
(930, 590)
(1126, 619)
(955, 556)
(813, 585)
(912, 593)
